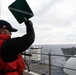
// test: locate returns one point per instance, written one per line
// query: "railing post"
(50, 63)
(41, 54)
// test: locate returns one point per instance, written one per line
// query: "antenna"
(0, 8)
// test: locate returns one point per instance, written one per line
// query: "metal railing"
(50, 62)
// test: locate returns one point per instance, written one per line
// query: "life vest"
(13, 68)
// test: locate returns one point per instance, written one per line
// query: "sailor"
(11, 62)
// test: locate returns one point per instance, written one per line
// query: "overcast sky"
(54, 21)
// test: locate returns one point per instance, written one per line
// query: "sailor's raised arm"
(30, 32)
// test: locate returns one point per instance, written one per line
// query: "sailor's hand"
(28, 22)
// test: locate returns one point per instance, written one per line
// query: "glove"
(28, 22)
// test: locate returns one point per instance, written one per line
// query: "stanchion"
(50, 70)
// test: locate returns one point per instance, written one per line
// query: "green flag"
(20, 9)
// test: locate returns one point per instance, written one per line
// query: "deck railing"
(50, 62)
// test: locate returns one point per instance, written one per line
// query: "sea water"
(55, 49)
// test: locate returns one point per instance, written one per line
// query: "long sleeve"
(14, 46)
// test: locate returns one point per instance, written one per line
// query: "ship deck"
(43, 69)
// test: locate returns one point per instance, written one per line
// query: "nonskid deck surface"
(43, 69)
